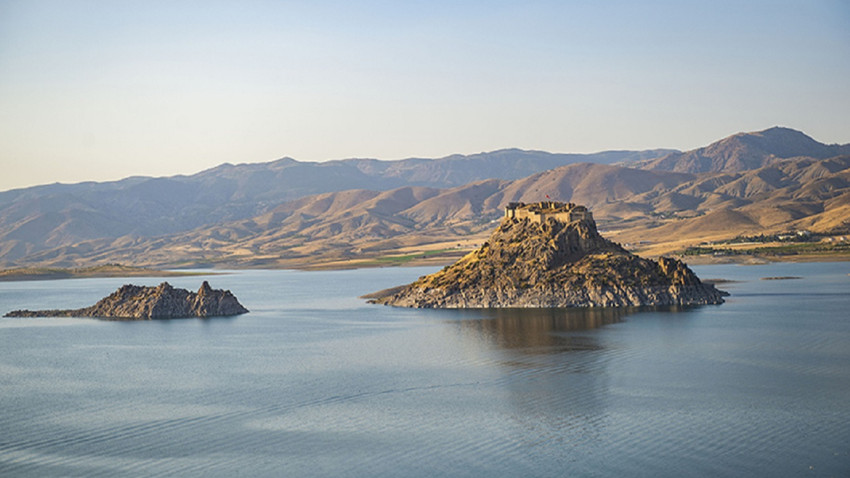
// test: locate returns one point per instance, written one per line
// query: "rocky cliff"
(554, 264)
(161, 302)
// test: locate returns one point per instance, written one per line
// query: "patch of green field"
(407, 258)
(791, 249)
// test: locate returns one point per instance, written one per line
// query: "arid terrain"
(106, 270)
(774, 194)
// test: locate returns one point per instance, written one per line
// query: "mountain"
(746, 151)
(457, 169)
(266, 215)
(634, 205)
(45, 217)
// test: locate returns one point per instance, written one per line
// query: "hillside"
(81, 225)
(58, 215)
(634, 205)
(746, 151)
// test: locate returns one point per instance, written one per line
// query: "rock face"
(161, 302)
(541, 261)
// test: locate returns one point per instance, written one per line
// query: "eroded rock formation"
(161, 302)
(554, 263)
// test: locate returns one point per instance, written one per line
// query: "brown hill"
(76, 225)
(37, 223)
(59, 215)
(635, 205)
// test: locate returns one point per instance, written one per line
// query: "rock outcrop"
(553, 263)
(133, 302)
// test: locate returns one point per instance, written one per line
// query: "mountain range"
(59, 215)
(290, 213)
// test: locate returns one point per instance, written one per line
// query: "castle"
(542, 211)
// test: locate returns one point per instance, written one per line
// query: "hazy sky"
(98, 90)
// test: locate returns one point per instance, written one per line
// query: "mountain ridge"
(745, 151)
(48, 216)
(637, 205)
(232, 212)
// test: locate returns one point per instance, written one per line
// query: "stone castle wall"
(543, 211)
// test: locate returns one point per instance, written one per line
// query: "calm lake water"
(314, 382)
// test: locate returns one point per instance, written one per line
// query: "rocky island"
(550, 254)
(133, 302)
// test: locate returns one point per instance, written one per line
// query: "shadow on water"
(554, 366)
(543, 330)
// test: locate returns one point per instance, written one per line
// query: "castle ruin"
(540, 212)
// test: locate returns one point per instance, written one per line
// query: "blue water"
(315, 382)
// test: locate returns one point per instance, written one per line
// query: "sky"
(101, 90)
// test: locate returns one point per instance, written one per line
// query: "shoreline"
(111, 270)
(753, 260)
(50, 273)
(372, 263)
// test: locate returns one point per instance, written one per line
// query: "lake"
(315, 382)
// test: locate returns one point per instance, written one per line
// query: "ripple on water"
(756, 386)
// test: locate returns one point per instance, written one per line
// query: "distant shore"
(427, 258)
(758, 259)
(108, 270)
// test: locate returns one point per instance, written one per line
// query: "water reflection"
(554, 367)
(542, 331)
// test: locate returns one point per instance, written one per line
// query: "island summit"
(549, 254)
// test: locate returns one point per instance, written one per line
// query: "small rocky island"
(550, 254)
(133, 302)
